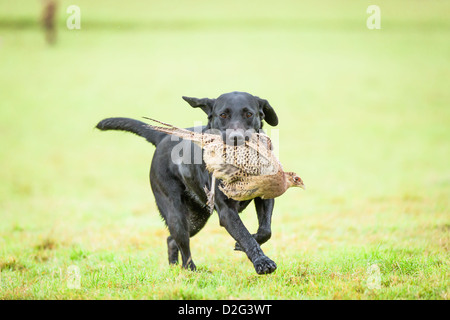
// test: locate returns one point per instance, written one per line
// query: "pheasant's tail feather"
(160, 122)
(179, 132)
(199, 138)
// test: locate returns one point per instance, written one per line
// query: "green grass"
(364, 119)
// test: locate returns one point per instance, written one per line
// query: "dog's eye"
(249, 114)
(223, 115)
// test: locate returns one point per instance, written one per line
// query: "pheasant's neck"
(287, 181)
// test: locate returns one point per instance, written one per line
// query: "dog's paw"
(264, 265)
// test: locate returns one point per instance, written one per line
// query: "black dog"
(178, 186)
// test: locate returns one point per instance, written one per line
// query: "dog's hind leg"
(175, 215)
(179, 231)
(172, 250)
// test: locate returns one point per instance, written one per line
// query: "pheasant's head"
(294, 180)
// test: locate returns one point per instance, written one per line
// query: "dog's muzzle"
(235, 137)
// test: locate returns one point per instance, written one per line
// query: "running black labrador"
(178, 186)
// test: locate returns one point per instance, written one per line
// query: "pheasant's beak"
(302, 185)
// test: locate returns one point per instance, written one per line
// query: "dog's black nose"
(236, 137)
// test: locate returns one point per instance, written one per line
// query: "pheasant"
(247, 171)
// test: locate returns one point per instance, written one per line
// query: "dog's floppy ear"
(268, 114)
(205, 104)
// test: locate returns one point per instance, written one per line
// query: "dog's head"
(235, 114)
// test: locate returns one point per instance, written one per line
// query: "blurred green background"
(364, 119)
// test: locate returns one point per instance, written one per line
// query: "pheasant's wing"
(232, 169)
(254, 158)
(225, 172)
(214, 155)
(263, 144)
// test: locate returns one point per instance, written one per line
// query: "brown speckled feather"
(247, 171)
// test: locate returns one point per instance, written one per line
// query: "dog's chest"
(194, 198)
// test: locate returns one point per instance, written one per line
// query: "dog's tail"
(137, 127)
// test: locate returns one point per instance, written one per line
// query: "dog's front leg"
(264, 209)
(230, 220)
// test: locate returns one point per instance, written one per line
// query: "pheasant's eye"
(223, 115)
(296, 179)
(249, 114)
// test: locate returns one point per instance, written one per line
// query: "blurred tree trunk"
(48, 20)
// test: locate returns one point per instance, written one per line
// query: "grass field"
(364, 119)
